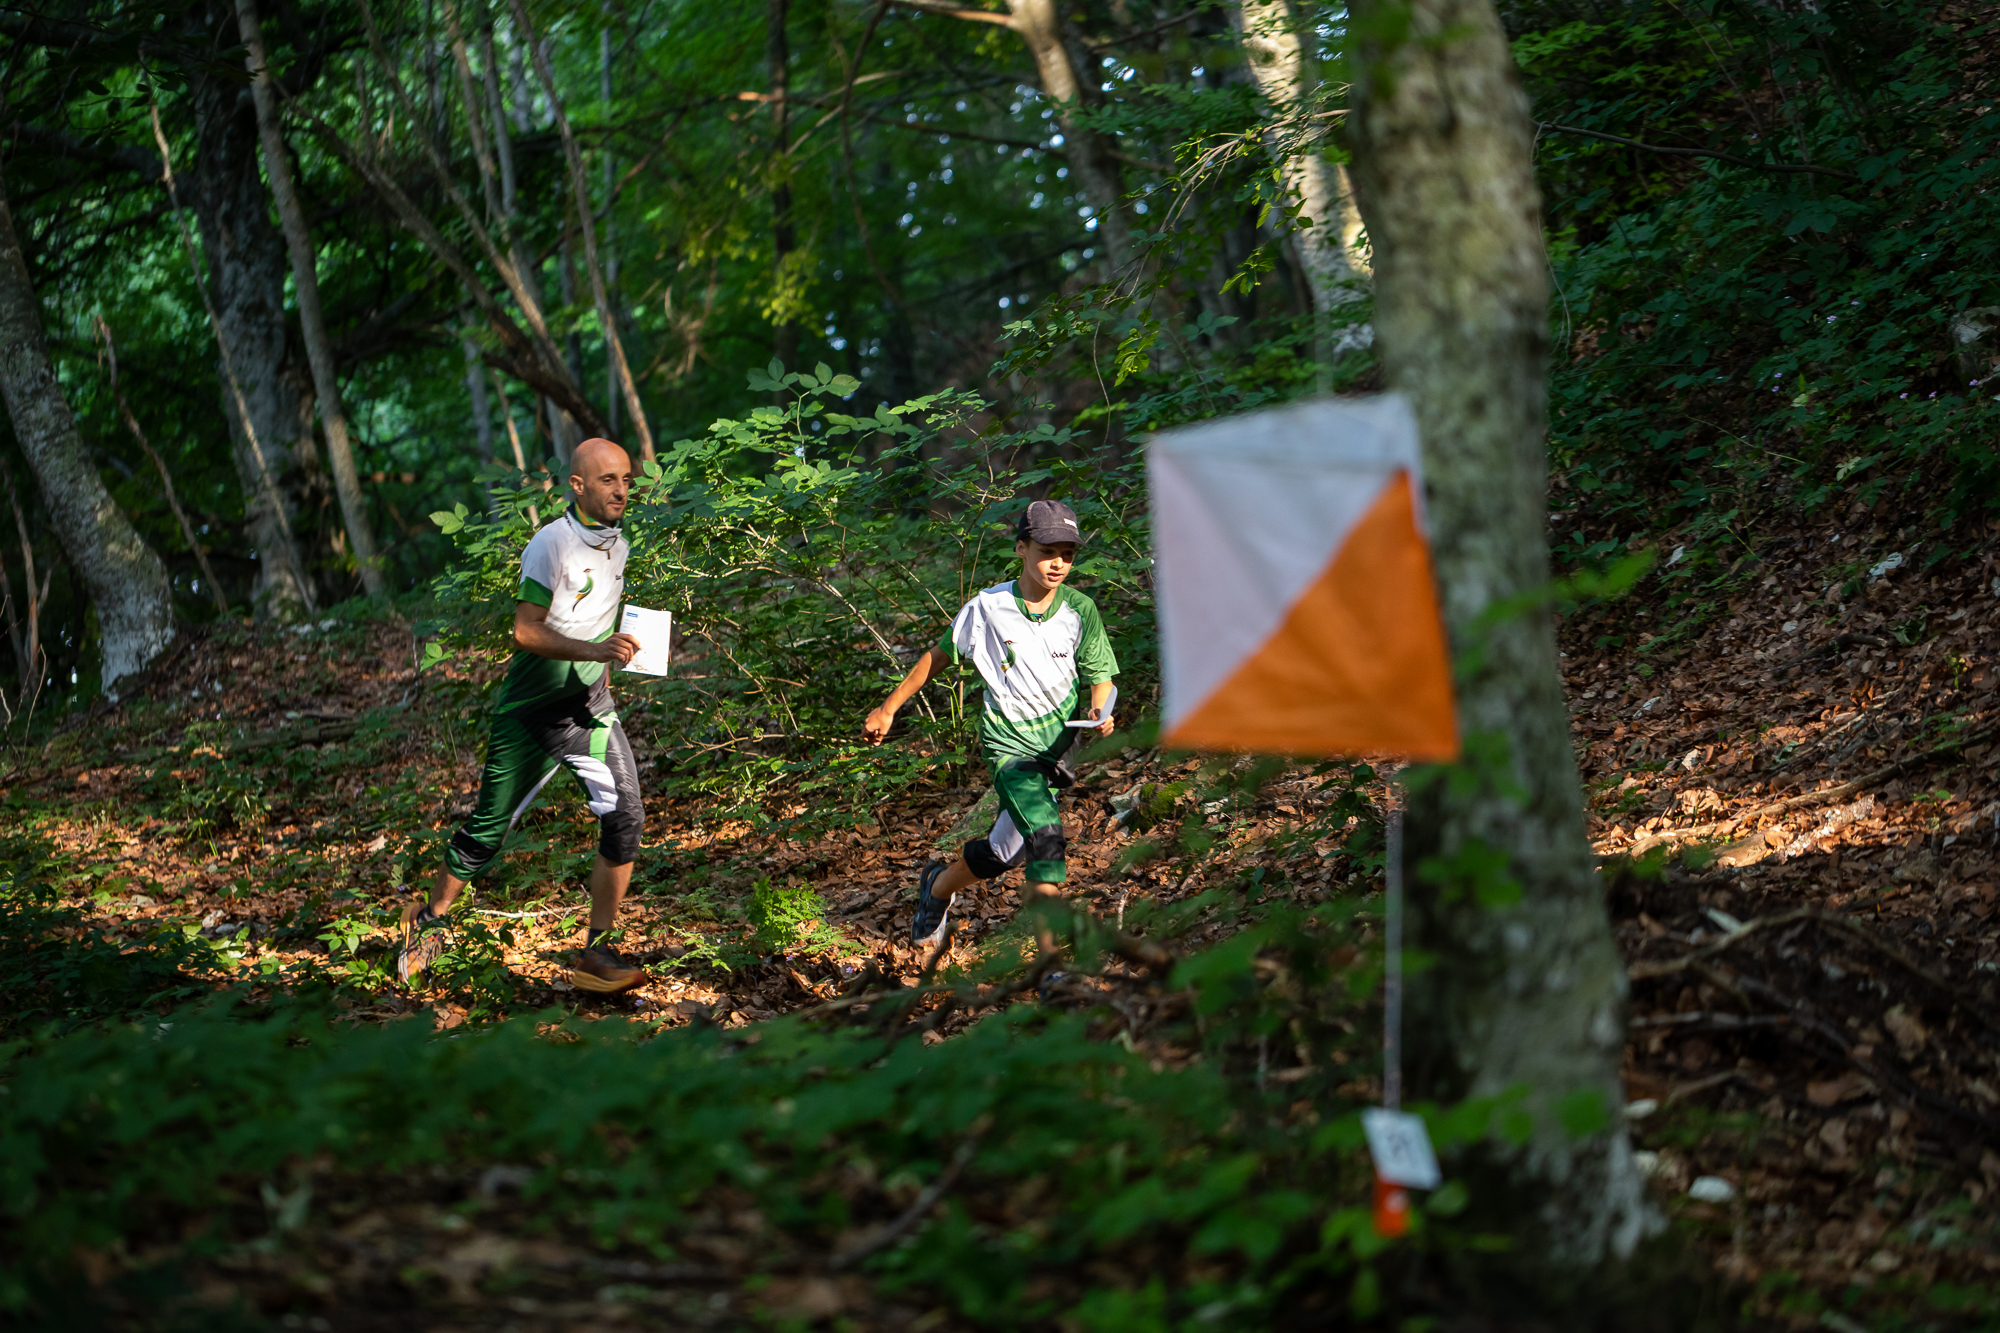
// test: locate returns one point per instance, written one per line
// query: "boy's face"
(1046, 565)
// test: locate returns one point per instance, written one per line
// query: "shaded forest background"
(1788, 289)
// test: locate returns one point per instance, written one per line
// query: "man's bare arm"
(532, 632)
(877, 724)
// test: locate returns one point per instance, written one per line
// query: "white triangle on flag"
(1248, 511)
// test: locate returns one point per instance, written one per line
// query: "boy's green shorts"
(1029, 830)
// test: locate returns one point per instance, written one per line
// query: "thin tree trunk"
(245, 270)
(1330, 250)
(784, 239)
(557, 383)
(305, 279)
(513, 438)
(125, 579)
(28, 641)
(580, 186)
(1527, 990)
(160, 466)
(610, 222)
(1091, 160)
(475, 388)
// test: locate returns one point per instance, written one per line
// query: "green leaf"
(447, 521)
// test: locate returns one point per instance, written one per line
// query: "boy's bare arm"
(1100, 694)
(877, 724)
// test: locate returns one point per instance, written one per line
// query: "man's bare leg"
(445, 891)
(607, 890)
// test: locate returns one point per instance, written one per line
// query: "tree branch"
(956, 12)
(127, 158)
(1730, 158)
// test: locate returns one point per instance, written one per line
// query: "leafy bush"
(1734, 337)
(792, 916)
(809, 556)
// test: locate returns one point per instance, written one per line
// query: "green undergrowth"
(1205, 1187)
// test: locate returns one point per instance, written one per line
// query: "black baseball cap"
(1048, 522)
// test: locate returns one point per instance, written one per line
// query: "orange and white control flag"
(1298, 613)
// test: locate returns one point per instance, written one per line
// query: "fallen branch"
(1648, 970)
(1812, 798)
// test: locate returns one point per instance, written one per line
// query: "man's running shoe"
(928, 924)
(603, 972)
(425, 936)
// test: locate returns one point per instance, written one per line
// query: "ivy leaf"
(447, 521)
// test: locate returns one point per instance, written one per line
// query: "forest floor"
(1798, 808)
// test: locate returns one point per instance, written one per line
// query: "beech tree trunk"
(1330, 251)
(246, 261)
(580, 189)
(127, 583)
(312, 321)
(1527, 991)
(1092, 162)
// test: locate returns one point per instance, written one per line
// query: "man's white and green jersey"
(1031, 664)
(577, 570)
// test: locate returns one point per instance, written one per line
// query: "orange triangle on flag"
(1358, 665)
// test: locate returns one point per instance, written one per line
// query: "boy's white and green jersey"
(1032, 665)
(577, 570)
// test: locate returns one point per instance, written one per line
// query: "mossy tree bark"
(1527, 990)
(127, 583)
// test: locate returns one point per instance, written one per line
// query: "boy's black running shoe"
(928, 923)
(425, 936)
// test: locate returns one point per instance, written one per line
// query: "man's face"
(601, 480)
(1049, 565)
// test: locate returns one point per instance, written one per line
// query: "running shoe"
(1050, 982)
(603, 972)
(425, 936)
(928, 924)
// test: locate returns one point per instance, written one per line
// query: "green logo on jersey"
(588, 584)
(1007, 665)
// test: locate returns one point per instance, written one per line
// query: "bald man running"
(555, 711)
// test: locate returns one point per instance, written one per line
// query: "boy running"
(555, 711)
(1032, 639)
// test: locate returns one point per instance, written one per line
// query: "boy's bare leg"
(607, 889)
(956, 879)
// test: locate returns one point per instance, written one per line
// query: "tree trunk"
(167, 488)
(580, 188)
(1330, 251)
(312, 321)
(1092, 162)
(610, 220)
(126, 581)
(246, 262)
(1527, 990)
(784, 238)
